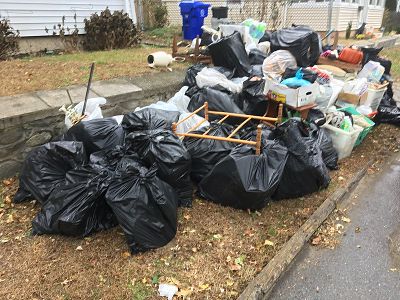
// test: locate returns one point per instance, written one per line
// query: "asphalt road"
(365, 265)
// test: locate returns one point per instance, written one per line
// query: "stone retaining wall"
(33, 119)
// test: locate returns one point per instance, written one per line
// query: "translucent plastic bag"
(190, 123)
(92, 111)
(278, 61)
(210, 77)
(180, 100)
(159, 105)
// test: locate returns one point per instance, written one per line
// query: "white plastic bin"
(374, 98)
(343, 141)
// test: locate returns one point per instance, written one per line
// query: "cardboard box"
(353, 98)
(294, 97)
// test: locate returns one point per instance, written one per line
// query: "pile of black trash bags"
(136, 174)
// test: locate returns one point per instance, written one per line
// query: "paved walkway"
(365, 265)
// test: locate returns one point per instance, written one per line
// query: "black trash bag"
(167, 152)
(388, 112)
(149, 119)
(250, 133)
(361, 29)
(266, 37)
(109, 158)
(302, 42)
(97, 134)
(305, 171)
(316, 116)
(257, 57)
(45, 167)
(205, 39)
(227, 72)
(219, 99)
(324, 141)
(145, 206)
(254, 100)
(192, 90)
(191, 73)
(370, 54)
(230, 52)
(256, 70)
(206, 153)
(309, 75)
(245, 180)
(77, 207)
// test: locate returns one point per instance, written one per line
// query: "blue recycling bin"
(193, 15)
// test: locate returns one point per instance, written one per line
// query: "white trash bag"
(92, 111)
(167, 290)
(211, 77)
(278, 61)
(161, 105)
(180, 100)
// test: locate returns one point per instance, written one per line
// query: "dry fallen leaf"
(183, 293)
(126, 254)
(234, 267)
(347, 220)
(10, 219)
(79, 248)
(204, 286)
(358, 230)
(186, 217)
(268, 243)
(230, 282)
(316, 240)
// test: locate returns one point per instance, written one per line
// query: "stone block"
(78, 93)
(20, 105)
(39, 138)
(11, 135)
(54, 98)
(115, 90)
(9, 168)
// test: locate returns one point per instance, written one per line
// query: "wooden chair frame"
(225, 115)
(193, 57)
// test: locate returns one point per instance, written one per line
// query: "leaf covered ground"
(216, 252)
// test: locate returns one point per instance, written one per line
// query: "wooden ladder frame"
(226, 115)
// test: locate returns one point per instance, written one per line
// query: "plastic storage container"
(365, 123)
(374, 98)
(219, 12)
(193, 15)
(343, 141)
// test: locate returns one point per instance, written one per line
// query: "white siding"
(374, 17)
(31, 17)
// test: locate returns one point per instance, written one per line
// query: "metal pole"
(330, 11)
(88, 88)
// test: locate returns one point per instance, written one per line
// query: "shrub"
(110, 31)
(391, 21)
(69, 37)
(8, 40)
(155, 14)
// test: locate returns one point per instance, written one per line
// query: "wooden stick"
(174, 46)
(219, 138)
(238, 128)
(223, 119)
(258, 139)
(174, 126)
(196, 49)
(197, 125)
(280, 113)
(191, 115)
(213, 112)
(206, 110)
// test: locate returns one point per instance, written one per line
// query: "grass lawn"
(56, 71)
(394, 55)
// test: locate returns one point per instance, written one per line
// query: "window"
(378, 2)
(371, 2)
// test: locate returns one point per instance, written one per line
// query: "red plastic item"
(351, 56)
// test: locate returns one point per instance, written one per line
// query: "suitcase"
(351, 56)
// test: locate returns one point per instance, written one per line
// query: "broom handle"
(88, 88)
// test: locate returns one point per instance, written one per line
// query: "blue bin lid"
(190, 5)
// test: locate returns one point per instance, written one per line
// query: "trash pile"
(135, 170)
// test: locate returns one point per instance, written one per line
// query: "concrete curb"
(261, 286)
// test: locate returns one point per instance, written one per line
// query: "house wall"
(374, 17)
(31, 17)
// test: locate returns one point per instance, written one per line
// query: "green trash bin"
(367, 123)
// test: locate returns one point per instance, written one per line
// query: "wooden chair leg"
(258, 139)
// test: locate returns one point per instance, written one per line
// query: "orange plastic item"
(351, 56)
